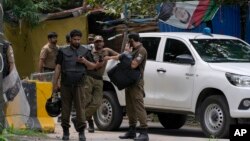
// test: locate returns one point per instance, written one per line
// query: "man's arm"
(59, 61)
(56, 77)
(41, 64)
(43, 55)
(90, 65)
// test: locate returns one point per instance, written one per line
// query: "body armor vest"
(73, 73)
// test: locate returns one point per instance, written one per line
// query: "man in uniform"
(91, 38)
(134, 94)
(94, 82)
(48, 54)
(71, 63)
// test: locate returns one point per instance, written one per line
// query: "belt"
(48, 69)
(95, 76)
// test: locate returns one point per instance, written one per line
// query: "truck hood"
(237, 68)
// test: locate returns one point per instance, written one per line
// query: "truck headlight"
(238, 80)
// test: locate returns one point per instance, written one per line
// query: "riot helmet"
(53, 106)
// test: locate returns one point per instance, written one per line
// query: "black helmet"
(53, 107)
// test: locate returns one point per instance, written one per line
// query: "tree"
(29, 10)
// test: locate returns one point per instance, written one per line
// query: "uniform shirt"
(98, 56)
(49, 53)
(140, 55)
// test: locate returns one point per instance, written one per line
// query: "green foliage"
(11, 132)
(135, 7)
(29, 10)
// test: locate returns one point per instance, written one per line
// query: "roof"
(188, 35)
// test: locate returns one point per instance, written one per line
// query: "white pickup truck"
(188, 73)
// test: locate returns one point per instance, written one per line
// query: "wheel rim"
(104, 113)
(214, 118)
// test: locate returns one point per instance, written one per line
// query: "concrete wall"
(28, 41)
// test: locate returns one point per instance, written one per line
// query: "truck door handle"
(161, 70)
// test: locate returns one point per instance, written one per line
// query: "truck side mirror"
(185, 59)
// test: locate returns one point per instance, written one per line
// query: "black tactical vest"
(73, 73)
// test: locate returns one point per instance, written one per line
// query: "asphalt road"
(156, 133)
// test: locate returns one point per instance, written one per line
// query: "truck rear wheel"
(172, 121)
(109, 115)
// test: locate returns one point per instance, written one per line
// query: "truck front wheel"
(214, 116)
(109, 115)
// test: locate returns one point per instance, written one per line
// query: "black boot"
(91, 128)
(82, 136)
(143, 135)
(65, 134)
(130, 134)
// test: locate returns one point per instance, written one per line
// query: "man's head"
(98, 41)
(75, 37)
(67, 37)
(91, 38)
(182, 14)
(134, 39)
(52, 37)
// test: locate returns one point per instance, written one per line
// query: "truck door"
(174, 81)
(151, 44)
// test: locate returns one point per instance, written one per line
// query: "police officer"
(94, 82)
(72, 63)
(48, 54)
(134, 94)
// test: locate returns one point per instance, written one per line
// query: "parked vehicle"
(188, 73)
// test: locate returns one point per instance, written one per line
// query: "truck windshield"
(222, 50)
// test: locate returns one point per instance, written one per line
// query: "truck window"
(151, 44)
(173, 48)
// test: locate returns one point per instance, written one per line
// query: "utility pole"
(2, 118)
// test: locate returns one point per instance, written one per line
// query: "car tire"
(172, 121)
(109, 115)
(214, 116)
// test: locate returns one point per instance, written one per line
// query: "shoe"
(65, 134)
(143, 136)
(82, 136)
(130, 134)
(91, 128)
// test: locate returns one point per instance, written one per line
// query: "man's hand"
(81, 60)
(128, 48)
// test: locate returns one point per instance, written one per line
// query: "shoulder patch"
(139, 57)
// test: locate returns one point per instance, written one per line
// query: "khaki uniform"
(135, 93)
(49, 53)
(94, 82)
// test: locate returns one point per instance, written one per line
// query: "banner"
(188, 14)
